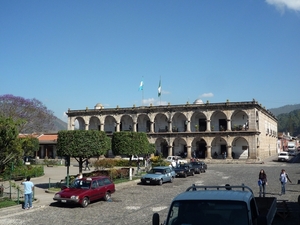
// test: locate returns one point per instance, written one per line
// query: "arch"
(126, 123)
(199, 121)
(94, 123)
(219, 147)
(240, 148)
(110, 124)
(199, 147)
(218, 121)
(179, 122)
(162, 147)
(143, 123)
(161, 123)
(179, 147)
(239, 120)
(79, 121)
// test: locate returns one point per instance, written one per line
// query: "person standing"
(262, 182)
(283, 180)
(28, 193)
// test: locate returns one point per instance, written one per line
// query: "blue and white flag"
(141, 86)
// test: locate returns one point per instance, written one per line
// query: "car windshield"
(208, 212)
(81, 184)
(156, 171)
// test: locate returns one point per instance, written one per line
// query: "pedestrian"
(87, 164)
(28, 193)
(283, 180)
(262, 182)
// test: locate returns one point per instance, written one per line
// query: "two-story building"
(242, 130)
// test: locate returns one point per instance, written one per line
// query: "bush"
(22, 171)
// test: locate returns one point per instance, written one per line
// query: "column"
(188, 126)
(189, 152)
(102, 126)
(118, 127)
(208, 125)
(208, 150)
(229, 125)
(169, 126)
(134, 126)
(86, 126)
(151, 126)
(229, 152)
(170, 150)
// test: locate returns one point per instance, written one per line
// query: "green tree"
(130, 143)
(82, 144)
(10, 147)
(29, 145)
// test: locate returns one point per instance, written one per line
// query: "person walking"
(283, 180)
(87, 163)
(262, 182)
(28, 193)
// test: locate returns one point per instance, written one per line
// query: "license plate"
(147, 181)
(64, 201)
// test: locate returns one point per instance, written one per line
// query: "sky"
(75, 54)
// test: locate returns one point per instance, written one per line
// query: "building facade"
(241, 130)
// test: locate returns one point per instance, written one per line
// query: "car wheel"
(172, 179)
(107, 196)
(193, 173)
(160, 182)
(85, 202)
(185, 175)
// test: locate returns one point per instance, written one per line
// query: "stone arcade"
(241, 130)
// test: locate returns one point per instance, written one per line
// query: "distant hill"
(284, 109)
(59, 125)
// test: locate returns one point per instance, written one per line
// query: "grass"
(6, 202)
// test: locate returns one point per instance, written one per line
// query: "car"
(199, 167)
(159, 175)
(176, 158)
(292, 152)
(86, 190)
(283, 156)
(184, 170)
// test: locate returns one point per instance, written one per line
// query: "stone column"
(188, 126)
(102, 126)
(169, 126)
(189, 151)
(86, 126)
(229, 125)
(170, 150)
(134, 126)
(208, 125)
(229, 152)
(151, 126)
(118, 127)
(208, 150)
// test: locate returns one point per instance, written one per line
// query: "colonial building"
(241, 130)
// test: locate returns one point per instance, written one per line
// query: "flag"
(141, 86)
(159, 89)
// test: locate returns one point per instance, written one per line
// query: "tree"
(10, 147)
(82, 144)
(30, 144)
(130, 143)
(38, 118)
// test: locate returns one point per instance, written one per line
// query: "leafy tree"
(38, 118)
(29, 145)
(289, 122)
(82, 144)
(130, 143)
(10, 147)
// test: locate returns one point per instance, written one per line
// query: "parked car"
(159, 175)
(283, 156)
(86, 190)
(174, 158)
(184, 170)
(199, 167)
(292, 152)
(134, 158)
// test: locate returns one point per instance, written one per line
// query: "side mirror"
(155, 219)
(64, 187)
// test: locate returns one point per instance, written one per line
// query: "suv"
(85, 190)
(283, 156)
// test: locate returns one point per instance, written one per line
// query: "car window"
(94, 184)
(100, 182)
(107, 181)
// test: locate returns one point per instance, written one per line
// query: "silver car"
(159, 175)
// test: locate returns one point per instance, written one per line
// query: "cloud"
(281, 5)
(147, 102)
(207, 95)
